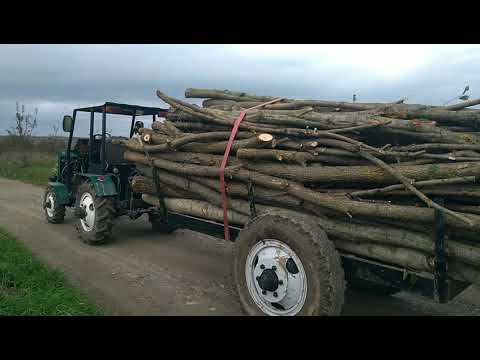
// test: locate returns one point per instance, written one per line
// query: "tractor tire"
(286, 265)
(96, 227)
(54, 213)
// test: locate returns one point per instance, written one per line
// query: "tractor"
(93, 178)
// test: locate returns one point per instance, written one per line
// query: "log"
(189, 143)
(463, 105)
(208, 137)
(370, 192)
(406, 258)
(241, 96)
(167, 128)
(408, 185)
(301, 158)
(365, 174)
(259, 141)
(202, 209)
(141, 185)
(443, 116)
(418, 147)
(195, 158)
(199, 127)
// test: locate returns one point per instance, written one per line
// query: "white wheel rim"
(285, 291)
(87, 204)
(50, 199)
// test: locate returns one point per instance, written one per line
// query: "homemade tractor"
(93, 178)
(284, 264)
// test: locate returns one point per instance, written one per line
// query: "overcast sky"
(58, 78)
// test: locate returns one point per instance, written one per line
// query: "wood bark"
(365, 174)
(198, 208)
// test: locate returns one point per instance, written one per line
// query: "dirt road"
(185, 273)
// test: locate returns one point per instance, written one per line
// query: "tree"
(20, 135)
(24, 123)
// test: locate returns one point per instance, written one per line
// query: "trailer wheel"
(286, 265)
(54, 213)
(95, 215)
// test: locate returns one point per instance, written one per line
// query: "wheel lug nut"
(264, 292)
(262, 266)
(275, 294)
(280, 282)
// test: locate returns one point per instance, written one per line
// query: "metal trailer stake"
(440, 271)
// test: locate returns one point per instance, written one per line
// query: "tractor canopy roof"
(124, 109)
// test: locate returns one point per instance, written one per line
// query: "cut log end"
(265, 137)
(147, 138)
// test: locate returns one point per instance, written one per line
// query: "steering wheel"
(100, 136)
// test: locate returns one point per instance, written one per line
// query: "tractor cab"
(98, 151)
(93, 168)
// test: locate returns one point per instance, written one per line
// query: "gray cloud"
(57, 78)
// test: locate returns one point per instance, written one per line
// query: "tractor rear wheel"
(286, 265)
(95, 215)
(54, 212)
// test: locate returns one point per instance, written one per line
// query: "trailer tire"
(312, 253)
(96, 229)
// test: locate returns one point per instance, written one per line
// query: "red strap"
(236, 125)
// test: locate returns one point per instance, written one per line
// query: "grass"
(30, 288)
(31, 167)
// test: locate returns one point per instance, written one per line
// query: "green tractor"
(93, 178)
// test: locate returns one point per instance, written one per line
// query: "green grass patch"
(28, 287)
(31, 167)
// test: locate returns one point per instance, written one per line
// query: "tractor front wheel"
(54, 212)
(95, 215)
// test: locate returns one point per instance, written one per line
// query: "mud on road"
(184, 273)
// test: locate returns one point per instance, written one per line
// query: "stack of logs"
(370, 174)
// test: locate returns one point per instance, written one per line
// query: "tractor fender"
(62, 195)
(104, 184)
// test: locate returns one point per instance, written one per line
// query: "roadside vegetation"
(30, 288)
(25, 157)
(27, 285)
